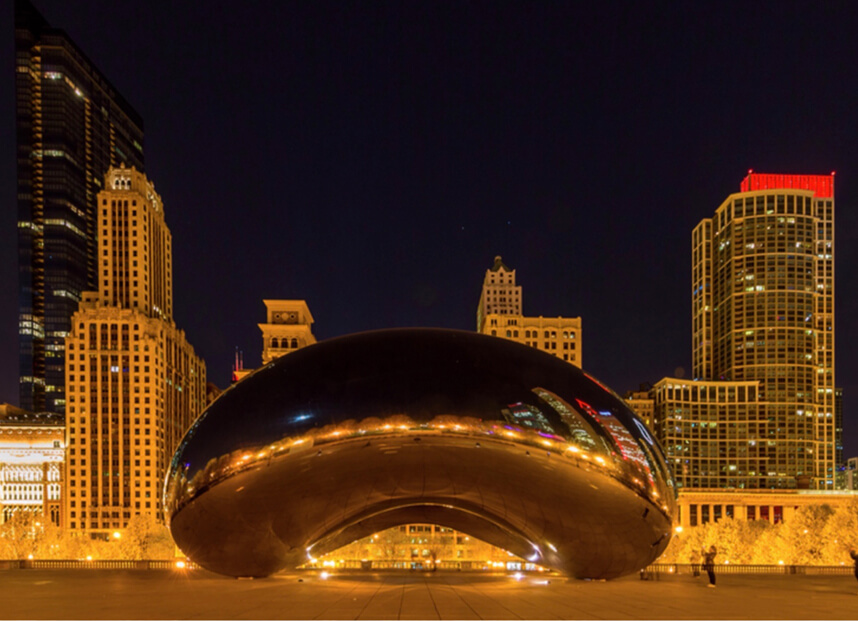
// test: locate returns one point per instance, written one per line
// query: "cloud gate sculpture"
(351, 436)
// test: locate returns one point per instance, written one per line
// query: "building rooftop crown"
(499, 264)
(821, 185)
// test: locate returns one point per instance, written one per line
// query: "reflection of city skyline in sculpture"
(354, 435)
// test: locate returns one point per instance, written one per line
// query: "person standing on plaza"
(709, 564)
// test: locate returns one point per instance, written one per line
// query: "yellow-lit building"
(421, 546)
(642, 403)
(763, 311)
(500, 314)
(702, 506)
(133, 382)
(761, 411)
(32, 450)
(714, 434)
(288, 327)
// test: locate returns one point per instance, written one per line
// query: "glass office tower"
(71, 126)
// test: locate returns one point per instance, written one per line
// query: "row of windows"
(547, 334)
(703, 514)
(25, 493)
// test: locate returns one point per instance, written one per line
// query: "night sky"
(373, 158)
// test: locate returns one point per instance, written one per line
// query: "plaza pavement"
(186, 594)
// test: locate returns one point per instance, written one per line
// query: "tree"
(840, 533)
(145, 538)
(18, 535)
(801, 538)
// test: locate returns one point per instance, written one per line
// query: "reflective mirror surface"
(353, 435)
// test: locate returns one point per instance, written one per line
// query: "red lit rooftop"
(821, 185)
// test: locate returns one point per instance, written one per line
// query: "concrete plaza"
(139, 594)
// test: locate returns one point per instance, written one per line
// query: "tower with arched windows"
(287, 329)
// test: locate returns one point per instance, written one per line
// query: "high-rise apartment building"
(71, 126)
(134, 383)
(499, 313)
(715, 434)
(763, 315)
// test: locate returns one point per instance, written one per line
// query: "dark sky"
(373, 158)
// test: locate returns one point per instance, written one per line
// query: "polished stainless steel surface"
(357, 434)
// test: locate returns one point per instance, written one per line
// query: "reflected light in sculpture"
(354, 435)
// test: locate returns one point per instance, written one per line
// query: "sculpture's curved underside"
(350, 436)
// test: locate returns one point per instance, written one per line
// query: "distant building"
(838, 438)
(699, 507)
(134, 383)
(642, 403)
(212, 392)
(32, 451)
(850, 474)
(71, 125)
(499, 313)
(288, 328)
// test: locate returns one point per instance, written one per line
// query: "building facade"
(715, 434)
(643, 404)
(134, 383)
(288, 328)
(32, 452)
(850, 474)
(699, 507)
(840, 462)
(763, 343)
(499, 313)
(71, 126)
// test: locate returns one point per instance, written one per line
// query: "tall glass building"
(762, 316)
(71, 126)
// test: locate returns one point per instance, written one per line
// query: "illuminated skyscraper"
(763, 312)
(134, 384)
(499, 314)
(71, 125)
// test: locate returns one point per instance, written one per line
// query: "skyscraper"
(134, 383)
(71, 126)
(499, 313)
(761, 411)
